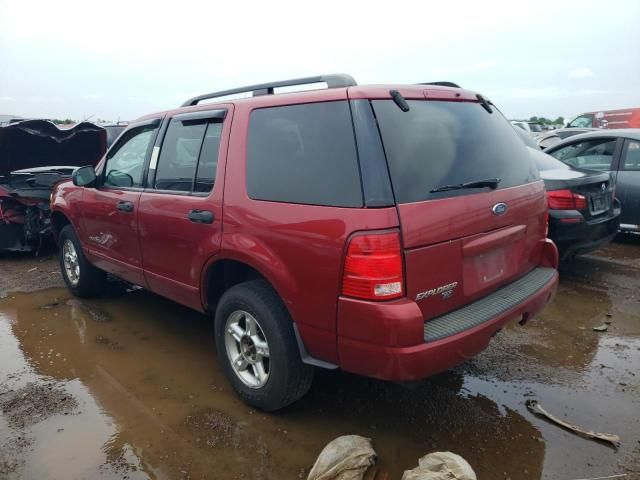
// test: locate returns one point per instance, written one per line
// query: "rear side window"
(304, 154)
(206, 173)
(189, 156)
(179, 156)
(438, 143)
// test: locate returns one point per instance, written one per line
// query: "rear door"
(628, 185)
(180, 212)
(460, 243)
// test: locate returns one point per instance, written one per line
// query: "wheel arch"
(58, 221)
(220, 274)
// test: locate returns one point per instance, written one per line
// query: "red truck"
(389, 231)
(622, 118)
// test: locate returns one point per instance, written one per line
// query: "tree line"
(547, 121)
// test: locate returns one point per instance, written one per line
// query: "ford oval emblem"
(499, 208)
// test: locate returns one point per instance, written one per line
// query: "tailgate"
(457, 250)
(471, 205)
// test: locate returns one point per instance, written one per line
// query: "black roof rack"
(337, 80)
(442, 84)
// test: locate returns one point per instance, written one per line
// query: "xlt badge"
(445, 290)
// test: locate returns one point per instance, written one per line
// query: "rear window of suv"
(438, 143)
(304, 154)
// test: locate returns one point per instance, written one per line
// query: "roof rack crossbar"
(338, 80)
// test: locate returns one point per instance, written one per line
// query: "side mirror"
(85, 177)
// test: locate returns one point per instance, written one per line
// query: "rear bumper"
(584, 236)
(395, 322)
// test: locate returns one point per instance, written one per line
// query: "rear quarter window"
(304, 154)
(439, 143)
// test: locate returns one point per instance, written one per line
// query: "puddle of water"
(153, 402)
(607, 400)
(148, 379)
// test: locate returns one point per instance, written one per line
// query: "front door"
(110, 211)
(180, 213)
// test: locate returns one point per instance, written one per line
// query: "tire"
(288, 379)
(89, 281)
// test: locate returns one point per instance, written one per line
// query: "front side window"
(594, 154)
(583, 121)
(125, 162)
(189, 156)
(304, 154)
(632, 156)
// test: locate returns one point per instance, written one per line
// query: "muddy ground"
(128, 386)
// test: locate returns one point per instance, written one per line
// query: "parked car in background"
(622, 118)
(390, 231)
(526, 138)
(583, 213)
(532, 128)
(34, 156)
(554, 137)
(616, 151)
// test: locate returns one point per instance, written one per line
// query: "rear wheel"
(82, 278)
(257, 347)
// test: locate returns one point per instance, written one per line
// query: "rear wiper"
(492, 183)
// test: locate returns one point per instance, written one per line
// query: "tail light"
(373, 267)
(566, 200)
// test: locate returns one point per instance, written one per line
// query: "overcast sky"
(115, 59)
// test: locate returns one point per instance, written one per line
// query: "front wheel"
(82, 279)
(257, 347)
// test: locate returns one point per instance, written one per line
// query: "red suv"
(389, 231)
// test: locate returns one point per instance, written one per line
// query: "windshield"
(535, 127)
(584, 121)
(439, 143)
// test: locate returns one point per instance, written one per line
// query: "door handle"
(200, 216)
(124, 206)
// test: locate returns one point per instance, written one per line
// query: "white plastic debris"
(345, 458)
(536, 408)
(441, 466)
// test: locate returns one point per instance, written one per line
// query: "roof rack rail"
(337, 80)
(442, 84)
